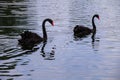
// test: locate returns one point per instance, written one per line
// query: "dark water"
(72, 59)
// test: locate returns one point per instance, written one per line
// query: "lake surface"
(73, 59)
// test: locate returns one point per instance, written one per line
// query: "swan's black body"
(30, 39)
(82, 31)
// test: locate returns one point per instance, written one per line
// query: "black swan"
(82, 31)
(29, 39)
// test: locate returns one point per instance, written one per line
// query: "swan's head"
(50, 21)
(97, 16)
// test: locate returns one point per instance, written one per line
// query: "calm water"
(73, 59)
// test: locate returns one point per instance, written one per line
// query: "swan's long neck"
(94, 26)
(44, 31)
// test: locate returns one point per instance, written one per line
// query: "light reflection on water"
(73, 59)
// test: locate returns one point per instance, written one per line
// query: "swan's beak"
(52, 23)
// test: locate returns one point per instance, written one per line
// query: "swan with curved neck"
(82, 31)
(30, 38)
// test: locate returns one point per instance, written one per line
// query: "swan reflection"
(95, 44)
(48, 55)
(94, 41)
